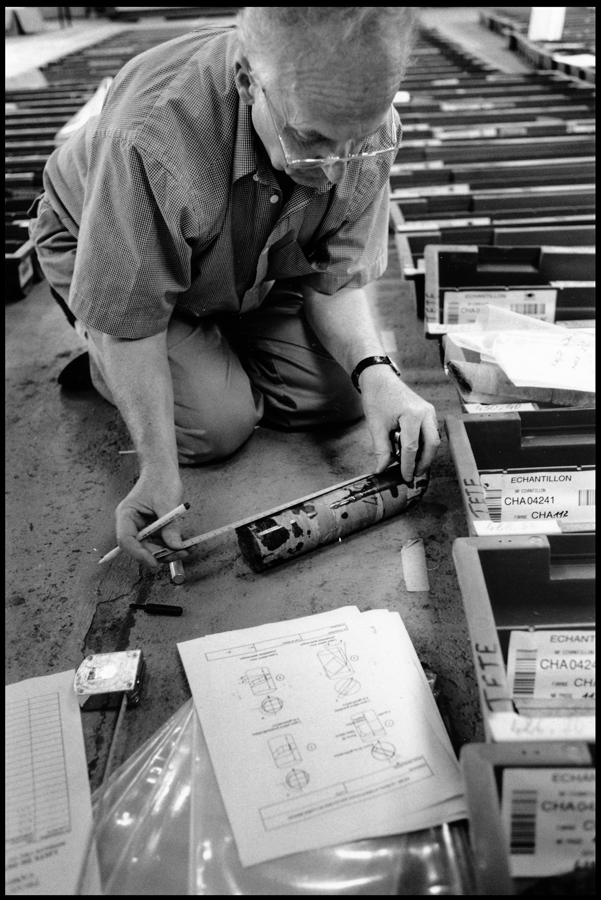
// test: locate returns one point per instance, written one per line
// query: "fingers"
(431, 443)
(172, 539)
(409, 448)
(153, 547)
(131, 545)
(130, 521)
(419, 444)
(382, 451)
(144, 552)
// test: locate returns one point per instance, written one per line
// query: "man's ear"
(243, 79)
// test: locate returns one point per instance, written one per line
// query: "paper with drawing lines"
(48, 803)
(317, 736)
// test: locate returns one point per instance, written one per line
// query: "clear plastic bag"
(161, 828)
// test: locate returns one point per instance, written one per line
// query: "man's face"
(318, 114)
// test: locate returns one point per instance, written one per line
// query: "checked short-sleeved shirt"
(173, 200)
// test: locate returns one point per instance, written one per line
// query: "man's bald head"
(331, 74)
(358, 53)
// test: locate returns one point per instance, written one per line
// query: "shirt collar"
(245, 157)
(247, 160)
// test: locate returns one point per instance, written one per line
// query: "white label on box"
(431, 309)
(442, 190)
(408, 168)
(499, 407)
(553, 665)
(580, 127)
(549, 819)
(464, 306)
(464, 106)
(532, 495)
(510, 726)
(461, 134)
(484, 528)
(435, 225)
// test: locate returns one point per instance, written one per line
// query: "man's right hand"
(153, 496)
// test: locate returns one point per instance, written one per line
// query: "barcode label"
(463, 307)
(554, 665)
(529, 309)
(493, 502)
(522, 831)
(540, 495)
(548, 814)
(524, 678)
(586, 498)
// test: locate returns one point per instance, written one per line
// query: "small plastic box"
(483, 767)
(525, 440)
(528, 584)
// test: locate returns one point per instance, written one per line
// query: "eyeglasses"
(293, 153)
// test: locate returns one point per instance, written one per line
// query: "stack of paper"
(506, 356)
(322, 730)
(48, 805)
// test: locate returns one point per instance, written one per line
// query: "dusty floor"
(65, 476)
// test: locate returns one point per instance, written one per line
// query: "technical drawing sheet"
(320, 734)
(48, 802)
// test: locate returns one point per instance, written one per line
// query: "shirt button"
(274, 198)
(255, 177)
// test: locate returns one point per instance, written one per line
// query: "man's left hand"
(389, 404)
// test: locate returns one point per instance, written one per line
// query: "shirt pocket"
(289, 260)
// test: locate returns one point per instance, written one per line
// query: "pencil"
(150, 529)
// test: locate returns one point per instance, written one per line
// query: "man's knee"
(218, 438)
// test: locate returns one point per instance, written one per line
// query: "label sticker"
(463, 134)
(511, 726)
(461, 307)
(499, 407)
(442, 190)
(549, 818)
(438, 224)
(554, 665)
(485, 528)
(532, 495)
(465, 106)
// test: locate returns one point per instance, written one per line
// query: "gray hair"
(273, 33)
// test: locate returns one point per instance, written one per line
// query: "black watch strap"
(372, 361)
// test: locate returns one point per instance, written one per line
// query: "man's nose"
(334, 172)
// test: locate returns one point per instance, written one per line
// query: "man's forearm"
(344, 324)
(138, 374)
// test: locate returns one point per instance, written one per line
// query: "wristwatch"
(372, 361)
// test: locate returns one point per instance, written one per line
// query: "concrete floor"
(65, 476)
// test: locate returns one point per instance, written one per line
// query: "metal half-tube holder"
(305, 526)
